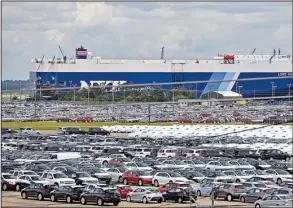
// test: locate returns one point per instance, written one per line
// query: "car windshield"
(178, 162)
(269, 183)
(144, 173)
(243, 163)
(260, 185)
(224, 163)
(141, 165)
(240, 173)
(126, 187)
(260, 172)
(173, 174)
(70, 169)
(198, 162)
(218, 173)
(122, 170)
(83, 175)
(29, 173)
(100, 171)
(110, 190)
(152, 190)
(8, 176)
(36, 178)
(60, 175)
(282, 172)
(260, 162)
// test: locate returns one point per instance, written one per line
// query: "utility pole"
(149, 114)
(74, 85)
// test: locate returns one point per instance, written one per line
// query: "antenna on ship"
(162, 53)
(279, 51)
(64, 57)
(252, 52)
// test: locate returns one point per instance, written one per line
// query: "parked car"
(284, 201)
(97, 131)
(67, 193)
(145, 195)
(100, 196)
(37, 190)
(179, 195)
(137, 177)
(230, 191)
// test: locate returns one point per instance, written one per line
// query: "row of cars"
(180, 112)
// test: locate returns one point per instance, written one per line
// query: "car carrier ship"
(86, 70)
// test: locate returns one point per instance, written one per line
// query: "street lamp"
(289, 91)
(239, 87)
(272, 88)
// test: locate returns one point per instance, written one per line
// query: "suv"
(274, 154)
(230, 191)
(101, 196)
(58, 178)
(38, 190)
(97, 131)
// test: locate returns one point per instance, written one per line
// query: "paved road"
(10, 198)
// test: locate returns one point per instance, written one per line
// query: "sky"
(140, 30)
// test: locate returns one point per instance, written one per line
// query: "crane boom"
(61, 52)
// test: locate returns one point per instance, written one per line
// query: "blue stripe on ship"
(214, 86)
(224, 85)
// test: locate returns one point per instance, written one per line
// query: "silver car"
(274, 201)
(145, 195)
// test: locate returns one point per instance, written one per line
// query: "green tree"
(157, 95)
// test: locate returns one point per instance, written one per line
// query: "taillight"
(164, 154)
(46, 190)
(264, 191)
(184, 193)
(235, 189)
(6, 182)
(107, 194)
(148, 193)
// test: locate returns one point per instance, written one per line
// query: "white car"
(28, 130)
(175, 164)
(8, 181)
(58, 178)
(278, 175)
(161, 178)
(116, 174)
(144, 195)
(27, 179)
(237, 175)
(219, 165)
(137, 166)
(84, 178)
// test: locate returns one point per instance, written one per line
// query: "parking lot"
(182, 112)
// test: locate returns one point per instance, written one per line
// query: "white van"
(60, 156)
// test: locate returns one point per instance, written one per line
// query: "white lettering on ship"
(115, 84)
(285, 74)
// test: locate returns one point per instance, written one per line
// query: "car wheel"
(140, 183)
(144, 200)
(125, 182)
(4, 187)
(237, 181)
(179, 200)
(105, 163)
(288, 159)
(198, 193)
(82, 200)
(160, 201)
(271, 158)
(128, 198)
(68, 199)
(120, 180)
(156, 183)
(17, 187)
(115, 203)
(53, 199)
(279, 181)
(242, 199)
(257, 206)
(23, 195)
(100, 202)
(229, 197)
(40, 197)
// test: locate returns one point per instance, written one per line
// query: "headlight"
(12, 182)
(62, 181)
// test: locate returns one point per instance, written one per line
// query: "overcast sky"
(139, 30)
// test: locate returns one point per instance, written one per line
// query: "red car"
(172, 185)
(124, 190)
(83, 119)
(137, 177)
(119, 160)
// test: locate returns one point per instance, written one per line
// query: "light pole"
(272, 89)
(289, 91)
(239, 88)
(74, 85)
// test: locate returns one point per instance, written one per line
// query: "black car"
(67, 193)
(101, 196)
(37, 190)
(179, 195)
(287, 166)
(5, 130)
(75, 130)
(97, 131)
(276, 154)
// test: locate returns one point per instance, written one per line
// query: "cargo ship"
(86, 70)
